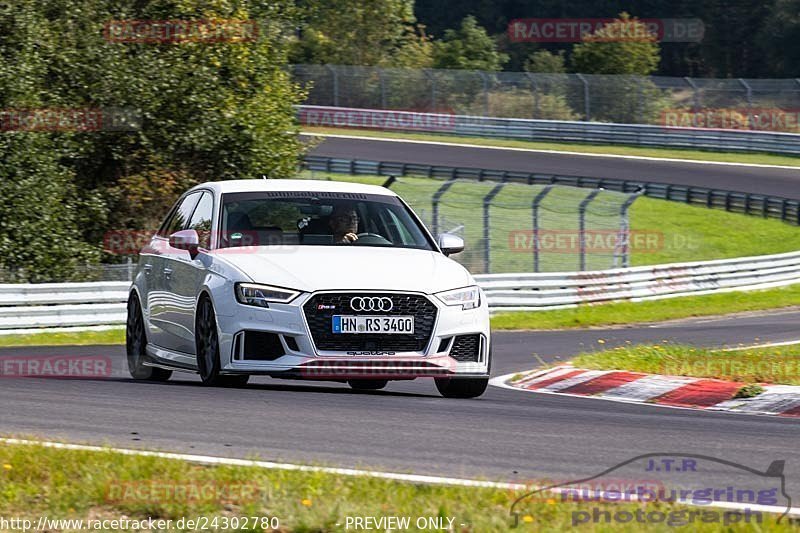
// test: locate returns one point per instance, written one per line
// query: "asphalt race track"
(505, 435)
(760, 180)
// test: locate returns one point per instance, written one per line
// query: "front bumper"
(297, 355)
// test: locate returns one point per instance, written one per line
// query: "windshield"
(318, 219)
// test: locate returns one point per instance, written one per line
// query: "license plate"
(401, 325)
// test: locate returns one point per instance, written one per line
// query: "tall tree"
(626, 49)
(624, 46)
(354, 32)
(779, 40)
(210, 110)
(468, 47)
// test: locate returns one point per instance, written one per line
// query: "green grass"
(694, 155)
(780, 365)
(72, 338)
(694, 233)
(649, 311)
(36, 481)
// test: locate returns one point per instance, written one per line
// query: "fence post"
(485, 82)
(640, 100)
(695, 92)
(382, 79)
(535, 208)
(335, 75)
(435, 205)
(625, 230)
(535, 89)
(749, 92)
(487, 202)
(587, 110)
(432, 78)
(582, 226)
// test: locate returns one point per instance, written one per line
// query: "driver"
(344, 224)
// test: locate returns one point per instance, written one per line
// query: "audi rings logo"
(371, 304)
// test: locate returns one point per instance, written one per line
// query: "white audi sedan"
(305, 280)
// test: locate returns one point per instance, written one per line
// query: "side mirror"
(187, 239)
(450, 244)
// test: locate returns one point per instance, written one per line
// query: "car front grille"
(320, 309)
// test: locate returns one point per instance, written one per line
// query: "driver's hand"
(350, 237)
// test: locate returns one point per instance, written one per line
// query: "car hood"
(313, 268)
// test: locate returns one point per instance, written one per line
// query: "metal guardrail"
(530, 292)
(552, 130)
(50, 305)
(785, 209)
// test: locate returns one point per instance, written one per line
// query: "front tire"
(136, 345)
(368, 384)
(207, 344)
(461, 387)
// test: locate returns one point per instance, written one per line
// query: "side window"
(179, 216)
(201, 219)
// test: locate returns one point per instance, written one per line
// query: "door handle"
(167, 272)
(148, 268)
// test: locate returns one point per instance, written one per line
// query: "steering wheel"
(371, 238)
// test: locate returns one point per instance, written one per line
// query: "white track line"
(767, 345)
(412, 478)
(542, 151)
(210, 460)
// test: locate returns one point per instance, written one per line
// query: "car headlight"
(467, 298)
(262, 295)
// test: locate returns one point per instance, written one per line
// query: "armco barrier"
(785, 209)
(552, 130)
(514, 292)
(53, 305)
(50, 305)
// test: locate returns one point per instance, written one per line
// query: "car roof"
(302, 185)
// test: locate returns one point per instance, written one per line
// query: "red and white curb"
(652, 389)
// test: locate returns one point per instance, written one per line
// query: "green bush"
(519, 103)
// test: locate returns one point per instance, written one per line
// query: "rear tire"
(136, 345)
(207, 345)
(368, 384)
(461, 387)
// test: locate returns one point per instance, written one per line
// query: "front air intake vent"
(257, 346)
(466, 348)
